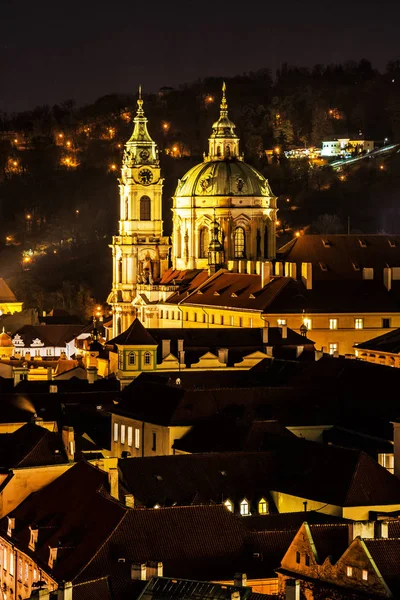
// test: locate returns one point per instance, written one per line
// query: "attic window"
(263, 507)
(365, 575)
(252, 296)
(233, 295)
(229, 505)
(356, 266)
(349, 571)
(363, 243)
(326, 243)
(323, 266)
(244, 508)
(392, 244)
(10, 526)
(216, 293)
(156, 506)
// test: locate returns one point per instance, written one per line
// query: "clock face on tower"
(145, 176)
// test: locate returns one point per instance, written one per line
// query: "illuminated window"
(147, 358)
(239, 243)
(137, 438)
(386, 461)
(308, 323)
(5, 559)
(250, 322)
(365, 575)
(34, 574)
(204, 242)
(130, 436)
(26, 572)
(333, 348)
(263, 507)
(229, 505)
(120, 360)
(349, 571)
(115, 432)
(19, 570)
(359, 323)
(132, 358)
(122, 434)
(244, 508)
(333, 323)
(232, 319)
(145, 208)
(12, 563)
(281, 322)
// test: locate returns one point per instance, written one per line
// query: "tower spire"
(223, 143)
(224, 103)
(140, 111)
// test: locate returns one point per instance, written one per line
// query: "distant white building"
(346, 145)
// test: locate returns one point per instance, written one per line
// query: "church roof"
(223, 178)
(135, 335)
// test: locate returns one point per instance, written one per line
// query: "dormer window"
(147, 358)
(10, 526)
(229, 505)
(363, 243)
(244, 507)
(52, 557)
(33, 538)
(263, 507)
(132, 358)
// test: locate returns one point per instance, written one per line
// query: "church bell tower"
(140, 252)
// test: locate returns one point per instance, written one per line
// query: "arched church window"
(204, 242)
(145, 208)
(228, 151)
(132, 358)
(240, 243)
(126, 209)
(147, 358)
(219, 151)
(178, 244)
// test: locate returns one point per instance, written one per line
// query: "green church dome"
(223, 178)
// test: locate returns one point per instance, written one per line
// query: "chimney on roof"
(64, 591)
(154, 569)
(68, 438)
(306, 275)
(292, 589)
(265, 273)
(165, 348)
(130, 500)
(284, 331)
(240, 580)
(138, 571)
(113, 482)
(368, 273)
(53, 389)
(223, 355)
(91, 374)
(265, 331)
(362, 529)
(387, 278)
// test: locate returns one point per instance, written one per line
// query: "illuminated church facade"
(224, 216)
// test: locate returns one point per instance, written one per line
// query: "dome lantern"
(223, 143)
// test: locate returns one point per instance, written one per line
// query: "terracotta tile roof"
(72, 514)
(386, 555)
(388, 342)
(31, 446)
(340, 253)
(289, 521)
(135, 335)
(97, 588)
(6, 295)
(330, 539)
(184, 589)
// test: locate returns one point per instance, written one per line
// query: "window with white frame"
(333, 347)
(132, 358)
(130, 436)
(333, 323)
(147, 358)
(281, 322)
(349, 571)
(137, 438)
(115, 432)
(359, 323)
(122, 434)
(49, 351)
(365, 575)
(244, 507)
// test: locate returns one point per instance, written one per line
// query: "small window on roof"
(263, 507)
(362, 243)
(326, 243)
(229, 505)
(244, 507)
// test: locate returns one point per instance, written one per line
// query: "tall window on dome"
(178, 244)
(119, 325)
(145, 208)
(240, 243)
(204, 242)
(219, 151)
(126, 209)
(228, 151)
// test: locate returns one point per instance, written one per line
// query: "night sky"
(51, 51)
